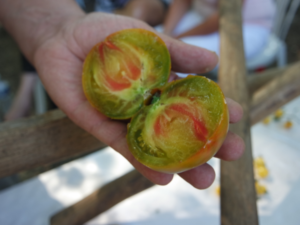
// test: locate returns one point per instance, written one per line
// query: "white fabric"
(255, 36)
(205, 7)
(260, 12)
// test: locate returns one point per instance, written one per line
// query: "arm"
(56, 36)
(31, 22)
(176, 11)
(207, 27)
(210, 25)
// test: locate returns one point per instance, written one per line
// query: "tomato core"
(117, 86)
(199, 126)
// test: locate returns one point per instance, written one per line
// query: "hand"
(59, 60)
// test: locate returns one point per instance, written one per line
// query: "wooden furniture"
(238, 195)
(52, 137)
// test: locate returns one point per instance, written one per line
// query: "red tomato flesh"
(181, 130)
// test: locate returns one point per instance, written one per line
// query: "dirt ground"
(10, 70)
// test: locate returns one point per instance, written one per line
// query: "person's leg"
(149, 11)
(187, 22)
(255, 39)
(23, 100)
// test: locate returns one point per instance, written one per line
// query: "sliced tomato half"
(181, 130)
(119, 72)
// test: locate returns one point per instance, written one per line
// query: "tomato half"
(174, 126)
(119, 72)
(181, 129)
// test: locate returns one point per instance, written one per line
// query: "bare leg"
(23, 100)
(149, 11)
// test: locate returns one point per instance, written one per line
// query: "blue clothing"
(109, 6)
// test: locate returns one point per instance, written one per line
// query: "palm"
(59, 63)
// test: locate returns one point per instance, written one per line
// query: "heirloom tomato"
(183, 127)
(174, 126)
(120, 72)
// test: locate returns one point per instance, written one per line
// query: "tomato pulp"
(182, 129)
(174, 126)
(119, 72)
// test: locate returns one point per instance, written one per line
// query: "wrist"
(32, 23)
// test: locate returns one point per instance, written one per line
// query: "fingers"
(232, 148)
(235, 110)
(113, 133)
(203, 176)
(188, 58)
(156, 177)
(200, 177)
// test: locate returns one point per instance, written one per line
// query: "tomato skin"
(204, 154)
(120, 71)
(153, 141)
(180, 128)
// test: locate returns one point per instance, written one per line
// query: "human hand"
(59, 60)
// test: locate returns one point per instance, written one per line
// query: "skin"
(23, 100)
(177, 10)
(151, 12)
(56, 36)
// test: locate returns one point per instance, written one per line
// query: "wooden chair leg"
(238, 196)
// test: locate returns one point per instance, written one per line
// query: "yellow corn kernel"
(267, 120)
(278, 114)
(218, 190)
(288, 124)
(259, 161)
(260, 189)
(262, 172)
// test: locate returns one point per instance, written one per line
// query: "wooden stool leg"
(238, 197)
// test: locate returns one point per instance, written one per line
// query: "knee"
(152, 12)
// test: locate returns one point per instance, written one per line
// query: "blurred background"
(36, 194)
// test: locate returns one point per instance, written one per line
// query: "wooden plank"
(238, 197)
(257, 80)
(276, 93)
(102, 199)
(42, 140)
